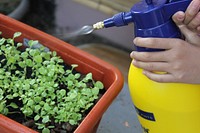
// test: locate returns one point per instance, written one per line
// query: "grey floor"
(120, 117)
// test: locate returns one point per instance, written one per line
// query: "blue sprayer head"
(151, 18)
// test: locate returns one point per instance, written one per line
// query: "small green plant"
(39, 85)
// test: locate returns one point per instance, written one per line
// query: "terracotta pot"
(108, 74)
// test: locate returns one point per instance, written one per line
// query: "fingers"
(163, 78)
(195, 22)
(156, 43)
(191, 30)
(178, 17)
(191, 37)
(198, 29)
(191, 11)
(191, 17)
(149, 56)
(151, 66)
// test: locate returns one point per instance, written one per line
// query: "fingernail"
(131, 53)
(144, 72)
(136, 39)
(180, 16)
(134, 61)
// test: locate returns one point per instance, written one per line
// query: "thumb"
(178, 18)
(190, 36)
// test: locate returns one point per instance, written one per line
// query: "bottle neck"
(120, 19)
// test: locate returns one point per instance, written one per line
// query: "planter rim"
(107, 73)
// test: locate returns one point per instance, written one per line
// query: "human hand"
(189, 22)
(179, 58)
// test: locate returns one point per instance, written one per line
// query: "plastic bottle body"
(165, 107)
(161, 107)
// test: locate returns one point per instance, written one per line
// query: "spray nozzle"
(151, 18)
(98, 25)
(146, 14)
(120, 19)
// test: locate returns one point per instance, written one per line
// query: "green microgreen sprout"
(45, 88)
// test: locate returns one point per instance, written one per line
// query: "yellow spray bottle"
(161, 107)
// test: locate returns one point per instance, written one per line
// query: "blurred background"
(61, 17)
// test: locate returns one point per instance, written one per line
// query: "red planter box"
(109, 75)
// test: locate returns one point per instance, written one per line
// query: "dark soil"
(59, 128)
(18, 116)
